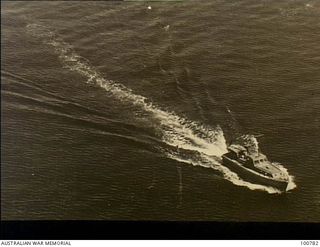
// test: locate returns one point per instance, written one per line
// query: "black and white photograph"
(181, 111)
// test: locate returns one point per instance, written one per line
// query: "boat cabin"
(256, 161)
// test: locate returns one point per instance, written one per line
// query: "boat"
(245, 158)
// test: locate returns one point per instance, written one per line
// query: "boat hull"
(249, 176)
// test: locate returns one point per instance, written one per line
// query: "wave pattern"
(207, 143)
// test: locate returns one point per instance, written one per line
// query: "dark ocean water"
(96, 97)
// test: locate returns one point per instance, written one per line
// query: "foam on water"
(207, 142)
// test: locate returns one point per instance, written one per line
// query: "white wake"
(209, 143)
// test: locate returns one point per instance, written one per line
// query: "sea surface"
(122, 110)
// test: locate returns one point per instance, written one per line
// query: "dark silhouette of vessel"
(245, 158)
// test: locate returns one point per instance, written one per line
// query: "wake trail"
(206, 142)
